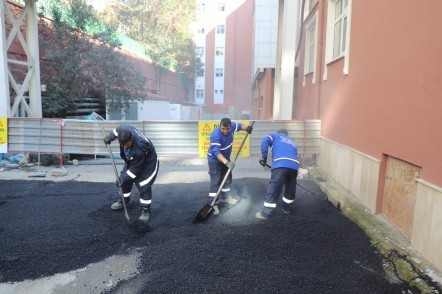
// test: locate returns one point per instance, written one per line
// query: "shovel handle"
(117, 177)
(229, 170)
(242, 143)
(113, 164)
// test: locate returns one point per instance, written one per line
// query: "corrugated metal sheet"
(171, 138)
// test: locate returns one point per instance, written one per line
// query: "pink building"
(225, 42)
(371, 71)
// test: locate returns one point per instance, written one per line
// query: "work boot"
(145, 215)
(118, 205)
(215, 209)
(229, 199)
(287, 209)
(260, 216)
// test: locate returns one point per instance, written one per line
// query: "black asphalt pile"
(48, 228)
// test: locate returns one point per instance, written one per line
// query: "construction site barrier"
(171, 138)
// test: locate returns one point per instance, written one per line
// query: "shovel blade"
(204, 213)
(126, 214)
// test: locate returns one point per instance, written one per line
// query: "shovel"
(120, 190)
(208, 209)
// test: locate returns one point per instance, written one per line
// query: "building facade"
(224, 40)
(371, 72)
(264, 57)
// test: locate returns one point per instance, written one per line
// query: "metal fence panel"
(171, 138)
(34, 135)
(174, 138)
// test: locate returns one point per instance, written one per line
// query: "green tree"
(82, 60)
(163, 26)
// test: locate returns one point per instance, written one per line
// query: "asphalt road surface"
(62, 237)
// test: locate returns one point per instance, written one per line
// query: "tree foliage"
(163, 26)
(82, 60)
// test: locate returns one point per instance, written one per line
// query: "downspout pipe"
(301, 30)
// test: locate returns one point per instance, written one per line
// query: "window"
(199, 93)
(338, 33)
(221, 6)
(219, 72)
(308, 7)
(200, 72)
(220, 29)
(202, 7)
(219, 51)
(216, 92)
(340, 27)
(199, 52)
(310, 46)
(201, 31)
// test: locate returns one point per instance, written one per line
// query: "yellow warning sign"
(3, 135)
(205, 129)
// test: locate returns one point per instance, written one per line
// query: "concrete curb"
(408, 264)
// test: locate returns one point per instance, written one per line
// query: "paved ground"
(58, 235)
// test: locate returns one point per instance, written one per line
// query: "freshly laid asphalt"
(59, 235)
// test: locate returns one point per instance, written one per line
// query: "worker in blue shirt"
(285, 165)
(218, 157)
(140, 168)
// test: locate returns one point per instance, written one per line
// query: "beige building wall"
(356, 171)
(426, 235)
(359, 173)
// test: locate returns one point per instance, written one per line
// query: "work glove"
(263, 161)
(249, 129)
(107, 140)
(230, 165)
(118, 183)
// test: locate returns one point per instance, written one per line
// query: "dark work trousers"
(143, 182)
(281, 177)
(217, 172)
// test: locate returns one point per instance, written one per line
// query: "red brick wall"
(170, 84)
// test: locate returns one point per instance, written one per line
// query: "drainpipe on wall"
(321, 7)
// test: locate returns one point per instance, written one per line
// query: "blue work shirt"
(222, 144)
(284, 151)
